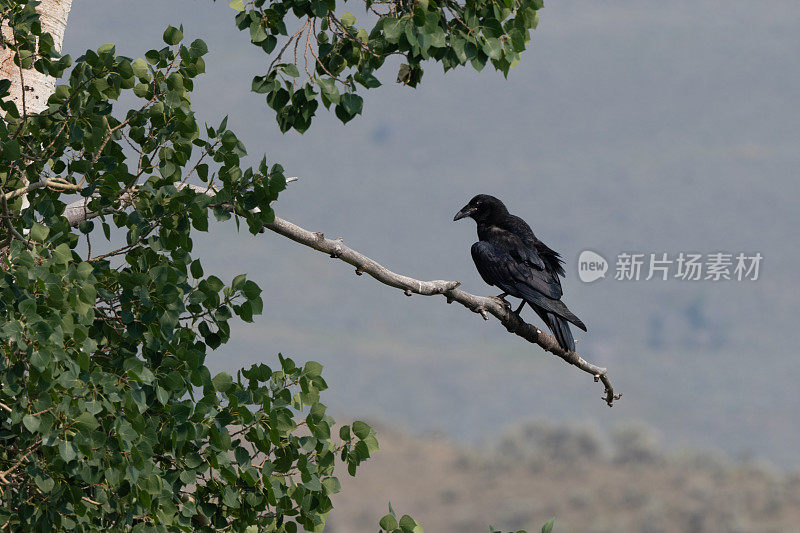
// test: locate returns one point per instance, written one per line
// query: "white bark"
(31, 89)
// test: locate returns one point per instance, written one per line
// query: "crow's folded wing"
(514, 272)
(550, 259)
(513, 245)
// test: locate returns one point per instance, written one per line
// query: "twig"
(9, 223)
(285, 46)
(25, 202)
(19, 461)
(21, 78)
(54, 183)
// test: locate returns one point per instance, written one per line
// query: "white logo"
(591, 266)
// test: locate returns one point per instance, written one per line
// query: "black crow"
(509, 256)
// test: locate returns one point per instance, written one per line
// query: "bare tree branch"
(482, 305)
(485, 306)
(54, 183)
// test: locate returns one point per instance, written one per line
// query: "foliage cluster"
(109, 416)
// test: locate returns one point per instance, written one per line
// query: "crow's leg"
(502, 298)
(520, 308)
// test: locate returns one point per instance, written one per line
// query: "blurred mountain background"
(590, 484)
(629, 126)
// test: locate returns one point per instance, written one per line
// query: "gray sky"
(628, 126)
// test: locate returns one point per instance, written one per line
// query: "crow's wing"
(504, 268)
(550, 258)
(514, 245)
(540, 288)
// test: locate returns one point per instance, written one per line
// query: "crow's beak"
(464, 213)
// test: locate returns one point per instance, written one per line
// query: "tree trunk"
(31, 89)
(35, 86)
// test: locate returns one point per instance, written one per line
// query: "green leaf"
(409, 525)
(152, 56)
(214, 284)
(39, 232)
(238, 5)
(257, 32)
(86, 226)
(548, 527)
(172, 35)
(27, 309)
(291, 70)
(162, 395)
(222, 382)
(329, 89)
(230, 498)
(242, 456)
(361, 429)
(140, 69)
(67, 451)
(62, 253)
(392, 29)
(198, 48)
(372, 444)
(196, 269)
(352, 103)
(332, 486)
(312, 369)
(388, 523)
(368, 80)
(87, 421)
(348, 19)
(31, 422)
(11, 150)
(45, 484)
(238, 282)
(251, 290)
(493, 48)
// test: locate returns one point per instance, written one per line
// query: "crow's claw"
(502, 299)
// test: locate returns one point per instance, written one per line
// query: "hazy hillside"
(589, 485)
(650, 127)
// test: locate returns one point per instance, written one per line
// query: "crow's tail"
(538, 301)
(560, 329)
